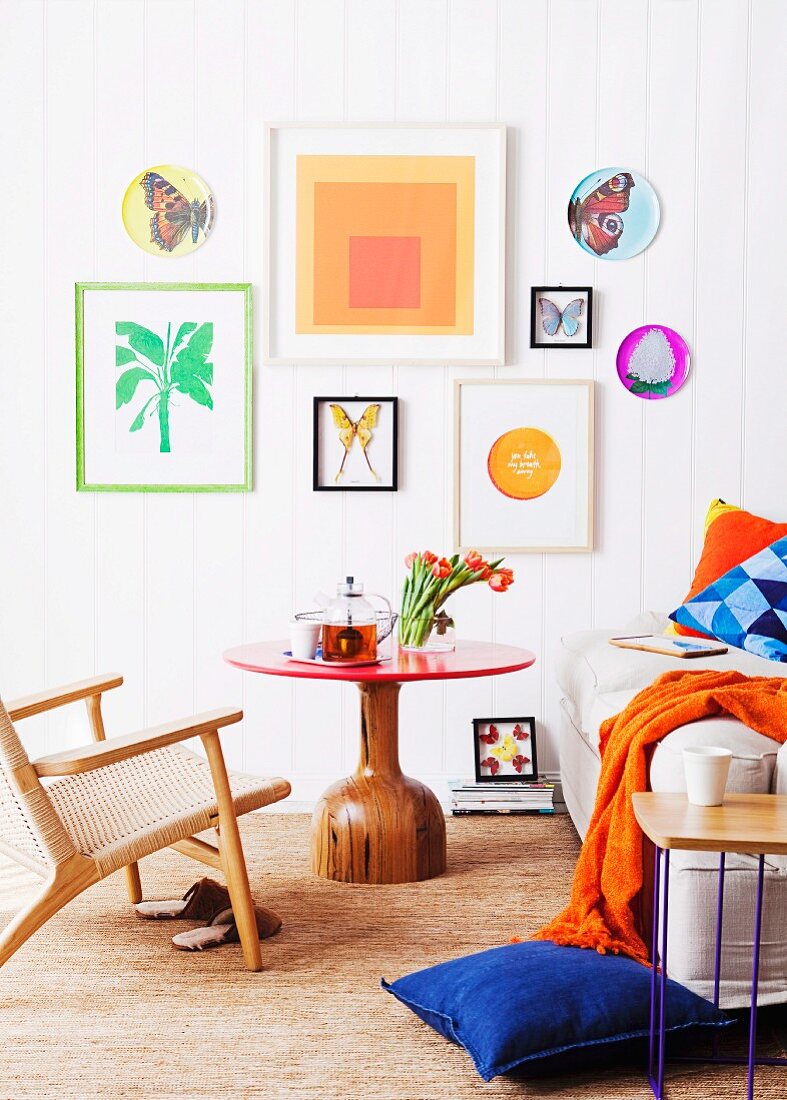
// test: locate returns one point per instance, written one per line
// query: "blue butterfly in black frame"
(552, 318)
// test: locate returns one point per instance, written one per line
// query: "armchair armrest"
(29, 705)
(87, 758)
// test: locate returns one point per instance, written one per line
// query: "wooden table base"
(378, 825)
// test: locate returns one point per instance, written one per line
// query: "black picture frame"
(538, 339)
(504, 726)
(319, 483)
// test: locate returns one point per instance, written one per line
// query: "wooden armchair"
(106, 805)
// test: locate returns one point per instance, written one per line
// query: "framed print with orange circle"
(168, 210)
(523, 465)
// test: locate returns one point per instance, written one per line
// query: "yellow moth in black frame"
(349, 429)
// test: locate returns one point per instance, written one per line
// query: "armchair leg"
(69, 880)
(133, 883)
(232, 858)
(96, 720)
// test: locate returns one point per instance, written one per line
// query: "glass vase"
(427, 633)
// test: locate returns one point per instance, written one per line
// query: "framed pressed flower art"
(523, 465)
(386, 243)
(163, 387)
(505, 750)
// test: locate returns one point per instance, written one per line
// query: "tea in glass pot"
(349, 631)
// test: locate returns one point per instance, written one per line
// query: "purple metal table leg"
(755, 973)
(750, 1059)
(717, 964)
(654, 958)
(663, 1002)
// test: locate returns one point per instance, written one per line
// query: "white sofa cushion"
(600, 680)
(594, 674)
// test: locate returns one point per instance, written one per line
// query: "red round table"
(379, 825)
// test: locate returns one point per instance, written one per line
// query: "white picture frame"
(325, 251)
(523, 465)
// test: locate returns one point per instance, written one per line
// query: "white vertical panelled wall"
(689, 92)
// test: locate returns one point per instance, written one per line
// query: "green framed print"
(163, 388)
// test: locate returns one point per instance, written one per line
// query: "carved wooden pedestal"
(378, 825)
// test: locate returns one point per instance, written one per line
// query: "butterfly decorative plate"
(653, 361)
(613, 214)
(168, 211)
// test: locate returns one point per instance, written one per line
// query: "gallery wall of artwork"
(157, 584)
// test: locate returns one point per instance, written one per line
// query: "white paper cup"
(304, 637)
(706, 769)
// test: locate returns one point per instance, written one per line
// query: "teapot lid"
(349, 587)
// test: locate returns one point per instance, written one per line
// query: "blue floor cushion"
(747, 607)
(531, 1004)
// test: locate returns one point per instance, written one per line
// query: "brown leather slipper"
(202, 901)
(223, 929)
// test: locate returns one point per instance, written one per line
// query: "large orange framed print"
(523, 465)
(386, 243)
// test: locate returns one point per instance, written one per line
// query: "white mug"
(304, 638)
(706, 768)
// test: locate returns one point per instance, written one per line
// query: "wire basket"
(385, 622)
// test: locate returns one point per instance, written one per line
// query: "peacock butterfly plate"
(653, 362)
(613, 214)
(168, 210)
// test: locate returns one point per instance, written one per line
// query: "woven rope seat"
(125, 811)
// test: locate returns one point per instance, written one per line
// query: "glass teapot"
(349, 631)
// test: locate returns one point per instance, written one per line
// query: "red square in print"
(385, 272)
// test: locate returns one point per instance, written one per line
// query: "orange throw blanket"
(608, 875)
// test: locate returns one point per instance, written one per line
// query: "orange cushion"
(731, 536)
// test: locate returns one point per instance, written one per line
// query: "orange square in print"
(423, 210)
(385, 272)
(341, 197)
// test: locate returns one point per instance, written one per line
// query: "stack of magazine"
(515, 797)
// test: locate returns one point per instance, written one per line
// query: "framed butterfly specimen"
(355, 444)
(504, 749)
(561, 316)
(168, 210)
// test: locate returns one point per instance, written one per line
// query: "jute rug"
(98, 1003)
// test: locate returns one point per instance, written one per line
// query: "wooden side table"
(754, 824)
(379, 825)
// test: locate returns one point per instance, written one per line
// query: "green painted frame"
(82, 486)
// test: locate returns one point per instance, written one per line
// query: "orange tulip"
(442, 568)
(428, 557)
(474, 561)
(501, 580)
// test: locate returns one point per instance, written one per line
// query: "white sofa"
(597, 680)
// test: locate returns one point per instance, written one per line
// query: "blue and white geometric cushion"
(747, 607)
